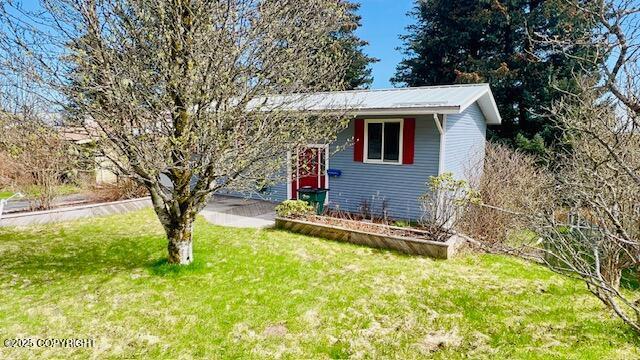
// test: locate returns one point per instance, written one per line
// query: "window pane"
(374, 141)
(392, 141)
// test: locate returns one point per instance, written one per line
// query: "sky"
(383, 21)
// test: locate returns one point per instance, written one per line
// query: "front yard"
(268, 293)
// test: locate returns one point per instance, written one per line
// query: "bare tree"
(593, 231)
(614, 48)
(39, 157)
(586, 217)
(35, 156)
(190, 97)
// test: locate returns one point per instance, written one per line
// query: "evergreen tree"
(471, 41)
(359, 72)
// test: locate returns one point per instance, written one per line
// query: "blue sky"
(383, 21)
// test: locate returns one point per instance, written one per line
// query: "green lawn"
(63, 189)
(33, 192)
(5, 194)
(269, 294)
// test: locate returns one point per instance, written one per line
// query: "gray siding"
(398, 185)
(275, 193)
(465, 144)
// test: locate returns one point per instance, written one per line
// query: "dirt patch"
(277, 330)
(439, 340)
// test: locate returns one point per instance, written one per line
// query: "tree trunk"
(180, 245)
(612, 275)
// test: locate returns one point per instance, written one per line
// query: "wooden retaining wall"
(413, 246)
(73, 212)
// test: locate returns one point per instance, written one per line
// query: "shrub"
(124, 188)
(39, 157)
(374, 209)
(444, 203)
(294, 208)
(9, 171)
(512, 186)
(598, 189)
(402, 223)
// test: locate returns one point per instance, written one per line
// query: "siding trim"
(365, 157)
(323, 147)
(442, 128)
(289, 177)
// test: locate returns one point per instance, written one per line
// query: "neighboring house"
(400, 137)
(104, 170)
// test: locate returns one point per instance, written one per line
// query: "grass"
(60, 190)
(33, 191)
(269, 294)
(5, 194)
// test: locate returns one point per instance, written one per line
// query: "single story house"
(400, 137)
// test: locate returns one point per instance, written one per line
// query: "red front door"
(309, 170)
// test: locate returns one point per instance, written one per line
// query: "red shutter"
(358, 138)
(408, 140)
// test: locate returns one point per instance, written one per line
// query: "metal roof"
(448, 99)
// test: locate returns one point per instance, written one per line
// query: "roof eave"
(487, 105)
(406, 111)
(485, 101)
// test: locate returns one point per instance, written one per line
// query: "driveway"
(239, 212)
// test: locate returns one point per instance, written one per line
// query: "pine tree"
(359, 73)
(471, 41)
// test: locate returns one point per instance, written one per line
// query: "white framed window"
(383, 141)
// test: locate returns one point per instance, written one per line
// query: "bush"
(9, 171)
(512, 186)
(402, 223)
(444, 204)
(124, 189)
(294, 208)
(38, 157)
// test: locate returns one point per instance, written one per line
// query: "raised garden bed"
(73, 212)
(406, 240)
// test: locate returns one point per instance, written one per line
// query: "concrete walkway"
(239, 212)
